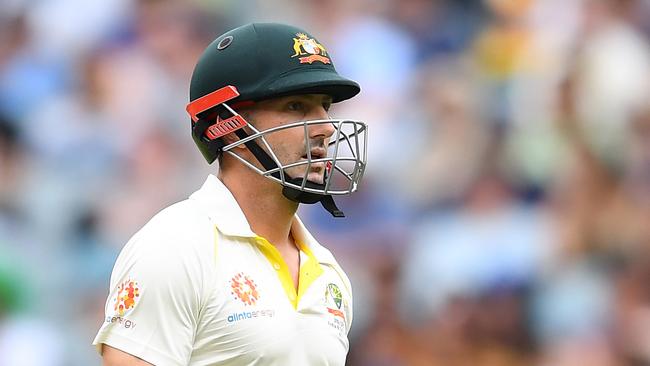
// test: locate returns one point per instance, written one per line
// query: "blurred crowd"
(504, 218)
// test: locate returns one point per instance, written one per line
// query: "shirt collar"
(223, 210)
(300, 233)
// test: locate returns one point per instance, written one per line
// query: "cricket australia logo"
(310, 49)
(334, 300)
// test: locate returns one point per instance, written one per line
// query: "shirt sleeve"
(154, 299)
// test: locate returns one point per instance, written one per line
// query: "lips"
(316, 154)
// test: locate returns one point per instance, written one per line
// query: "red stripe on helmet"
(210, 100)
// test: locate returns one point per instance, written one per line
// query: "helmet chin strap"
(297, 195)
(291, 193)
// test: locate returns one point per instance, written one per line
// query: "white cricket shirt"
(195, 286)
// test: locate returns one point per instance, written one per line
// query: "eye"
(326, 106)
(296, 106)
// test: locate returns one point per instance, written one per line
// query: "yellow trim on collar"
(309, 271)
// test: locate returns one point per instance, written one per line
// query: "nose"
(321, 130)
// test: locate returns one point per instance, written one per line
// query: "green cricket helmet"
(268, 60)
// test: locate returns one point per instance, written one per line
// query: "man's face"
(290, 145)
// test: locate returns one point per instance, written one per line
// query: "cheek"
(287, 143)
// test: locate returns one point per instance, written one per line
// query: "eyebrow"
(324, 98)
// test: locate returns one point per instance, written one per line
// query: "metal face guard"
(345, 162)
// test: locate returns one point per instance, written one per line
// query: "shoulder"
(180, 219)
(180, 226)
(174, 250)
(177, 237)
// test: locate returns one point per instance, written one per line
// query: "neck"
(268, 212)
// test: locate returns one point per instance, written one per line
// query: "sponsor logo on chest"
(244, 289)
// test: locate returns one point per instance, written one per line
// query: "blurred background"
(504, 218)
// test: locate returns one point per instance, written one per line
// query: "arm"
(153, 303)
(115, 357)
